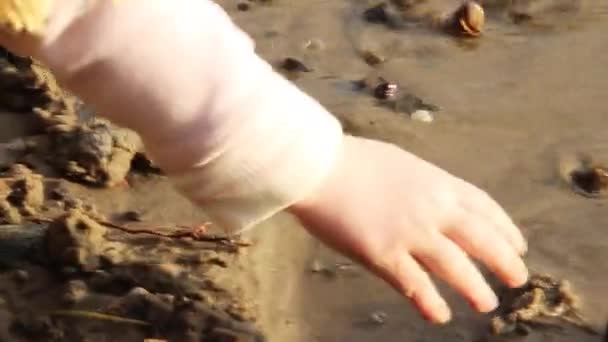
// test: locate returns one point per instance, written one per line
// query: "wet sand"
(512, 102)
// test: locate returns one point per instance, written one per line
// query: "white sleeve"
(236, 137)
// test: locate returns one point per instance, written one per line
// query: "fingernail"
(524, 248)
(484, 301)
(522, 276)
(490, 303)
(443, 314)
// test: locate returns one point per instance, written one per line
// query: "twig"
(184, 233)
(97, 316)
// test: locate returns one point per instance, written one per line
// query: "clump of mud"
(25, 85)
(67, 273)
(97, 153)
(80, 310)
(77, 145)
(543, 302)
(21, 194)
(76, 240)
(90, 281)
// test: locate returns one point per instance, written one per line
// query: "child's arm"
(245, 143)
(236, 137)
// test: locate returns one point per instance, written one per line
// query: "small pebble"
(73, 203)
(378, 317)
(317, 267)
(132, 215)
(372, 58)
(75, 291)
(376, 14)
(422, 116)
(243, 6)
(138, 291)
(292, 64)
(59, 193)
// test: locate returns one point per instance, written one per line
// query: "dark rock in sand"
(243, 6)
(97, 153)
(132, 215)
(294, 65)
(85, 149)
(144, 165)
(376, 14)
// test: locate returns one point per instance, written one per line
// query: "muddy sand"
(96, 245)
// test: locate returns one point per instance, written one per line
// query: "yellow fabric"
(27, 16)
(30, 16)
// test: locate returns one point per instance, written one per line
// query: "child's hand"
(400, 216)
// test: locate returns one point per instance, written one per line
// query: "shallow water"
(510, 102)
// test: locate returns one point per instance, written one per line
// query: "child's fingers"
(479, 238)
(485, 206)
(506, 226)
(444, 258)
(407, 277)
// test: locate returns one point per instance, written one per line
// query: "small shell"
(386, 90)
(378, 317)
(467, 20)
(422, 116)
(472, 18)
